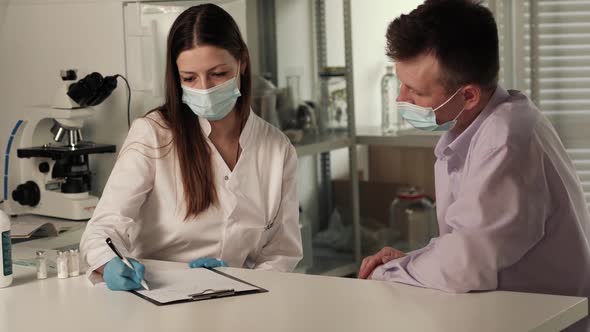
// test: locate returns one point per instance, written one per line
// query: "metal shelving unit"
(330, 261)
(403, 138)
(325, 261)
(321, 144)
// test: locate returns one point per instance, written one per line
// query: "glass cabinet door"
(147, 25)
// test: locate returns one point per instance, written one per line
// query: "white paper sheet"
(173, 285)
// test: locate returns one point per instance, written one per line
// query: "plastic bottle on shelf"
(412, 218)
(390, 118)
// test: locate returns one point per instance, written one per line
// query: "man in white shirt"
(510, 207)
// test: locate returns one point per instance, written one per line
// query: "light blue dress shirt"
(510, 207)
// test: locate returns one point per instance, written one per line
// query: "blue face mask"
(215, 103)
(424, 118)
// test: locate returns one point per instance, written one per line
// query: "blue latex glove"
(119, 277)
(207, 262)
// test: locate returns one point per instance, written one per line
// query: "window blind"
(545, 52)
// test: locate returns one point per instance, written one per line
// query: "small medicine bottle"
(62, 264)
(41, 265)
(74, 263)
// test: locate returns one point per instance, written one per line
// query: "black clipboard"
(209, 294)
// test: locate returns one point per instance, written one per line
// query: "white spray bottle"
(5, 251)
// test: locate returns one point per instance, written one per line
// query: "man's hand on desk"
(371, 262)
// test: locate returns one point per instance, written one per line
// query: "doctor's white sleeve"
(497, 218)
(283, 250)
(130, 182)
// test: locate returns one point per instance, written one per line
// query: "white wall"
(294, 43)
(40, 38)
(335, 33)
(369, 24)
(3, 5)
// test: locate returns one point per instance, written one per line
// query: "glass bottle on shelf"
(304, 111)
(334, 78)
(391, 120)
(293, 83)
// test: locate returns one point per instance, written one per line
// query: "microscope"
(53, 178)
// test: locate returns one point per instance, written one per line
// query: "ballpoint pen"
(124, 259)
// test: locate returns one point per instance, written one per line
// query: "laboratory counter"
(295, 302)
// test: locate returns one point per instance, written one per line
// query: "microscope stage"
(59, 152)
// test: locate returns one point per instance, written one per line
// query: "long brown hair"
(200, 25)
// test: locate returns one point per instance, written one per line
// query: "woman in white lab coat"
(201, 179)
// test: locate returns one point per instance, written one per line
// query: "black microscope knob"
(44, 167)
(27, 194)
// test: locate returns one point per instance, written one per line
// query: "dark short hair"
(462, 35)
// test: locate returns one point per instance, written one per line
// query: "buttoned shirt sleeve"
(283, 250)
(497, 217)
(130, 182)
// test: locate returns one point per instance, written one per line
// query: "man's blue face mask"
(215, 103)
(423, 118)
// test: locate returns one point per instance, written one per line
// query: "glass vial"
(41, 265)
(390, 119)
(74, 263)
(62, 264)
(293, 83)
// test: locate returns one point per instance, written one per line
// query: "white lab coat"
(255, 223)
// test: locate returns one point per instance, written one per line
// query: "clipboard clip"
(211, 294)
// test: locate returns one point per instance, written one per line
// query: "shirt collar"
(246, 131)
(450, 143)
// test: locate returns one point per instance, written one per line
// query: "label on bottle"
(6, 254)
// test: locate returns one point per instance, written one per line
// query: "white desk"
(296, 302)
